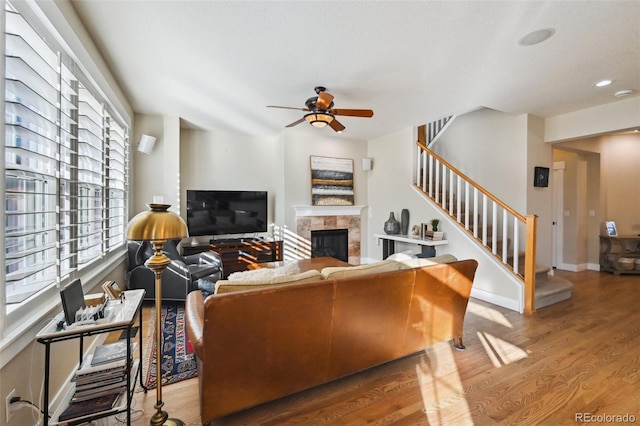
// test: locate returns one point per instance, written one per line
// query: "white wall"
(390, 189)
(539, 200)
(612, 189)
(612, 117)
(487, 146)
(278, 164)
(621, 174)
(298, 147)
(221, 160)
(148, 171)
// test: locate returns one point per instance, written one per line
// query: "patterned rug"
(178, 359)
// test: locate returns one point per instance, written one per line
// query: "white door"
(558, 194)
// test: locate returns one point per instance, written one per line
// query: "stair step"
(552, 290)
(541, 270)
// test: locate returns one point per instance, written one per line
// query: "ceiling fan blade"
(352, 112)
(336, 125)
(324, 100)
(284, 107)
(295, 123)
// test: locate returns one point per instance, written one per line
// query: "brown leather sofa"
(258, 345)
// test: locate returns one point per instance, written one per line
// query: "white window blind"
(117, 163)
(66, 165)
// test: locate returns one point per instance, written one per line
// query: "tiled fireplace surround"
(314, 218)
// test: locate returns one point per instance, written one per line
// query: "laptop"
(72, 300)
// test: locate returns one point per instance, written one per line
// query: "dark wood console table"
(614, 248)
(240, 255)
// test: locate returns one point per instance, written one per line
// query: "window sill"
(21, 336)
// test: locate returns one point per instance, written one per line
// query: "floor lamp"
(158, 225)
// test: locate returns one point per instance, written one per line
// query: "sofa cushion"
(336, 272)
(226, 286)
(426, 261)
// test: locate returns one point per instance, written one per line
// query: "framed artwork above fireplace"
(331, 181)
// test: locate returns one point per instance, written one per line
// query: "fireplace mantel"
(328, 210)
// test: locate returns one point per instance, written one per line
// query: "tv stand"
(238, 254)
(235, 240)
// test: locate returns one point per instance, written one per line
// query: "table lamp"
(158, 225)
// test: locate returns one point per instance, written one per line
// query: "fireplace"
(327, 218)
(330, 242)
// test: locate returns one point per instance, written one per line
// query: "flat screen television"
(214, 212)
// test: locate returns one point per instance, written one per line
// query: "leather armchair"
(180, 277)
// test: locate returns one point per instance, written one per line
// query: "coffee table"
(305, 265)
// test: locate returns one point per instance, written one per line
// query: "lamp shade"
(156, 224)
(318, 119)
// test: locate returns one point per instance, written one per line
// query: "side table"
(119, 316)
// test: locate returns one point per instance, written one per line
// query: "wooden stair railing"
(467, 204)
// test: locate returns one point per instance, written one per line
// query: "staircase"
(550, 289)
(501, 231)
(435, 128)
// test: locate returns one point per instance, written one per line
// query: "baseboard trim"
(495, 299)
(580, 267)
(593, 266)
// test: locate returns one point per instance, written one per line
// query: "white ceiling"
(217, 64)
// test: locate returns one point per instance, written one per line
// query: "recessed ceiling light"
(603, 83)
(621, 93)
(536, 37)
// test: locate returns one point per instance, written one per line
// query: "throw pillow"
(264, 274)
(206, 287)
(403, 255)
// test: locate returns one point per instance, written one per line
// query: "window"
(65, 164)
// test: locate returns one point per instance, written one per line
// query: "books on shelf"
(111, 352)
(83, 395)
(82, 378)
(434, 235)
(101, 379)
(99, 390)
(106, 368)
(98, 383)
(90, 406)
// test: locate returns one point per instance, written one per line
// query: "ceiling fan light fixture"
(318, 119)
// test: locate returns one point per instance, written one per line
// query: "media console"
(238, 254)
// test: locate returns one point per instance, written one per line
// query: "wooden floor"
(580, 357)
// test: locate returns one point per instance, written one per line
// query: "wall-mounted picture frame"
(541, 177)
(610, 227)
(331, 181)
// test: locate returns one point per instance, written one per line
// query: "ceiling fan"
(320, 111)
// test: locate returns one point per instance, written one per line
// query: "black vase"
(392, 226)
(404, 222)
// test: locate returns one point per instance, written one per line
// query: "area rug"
(178, 359)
